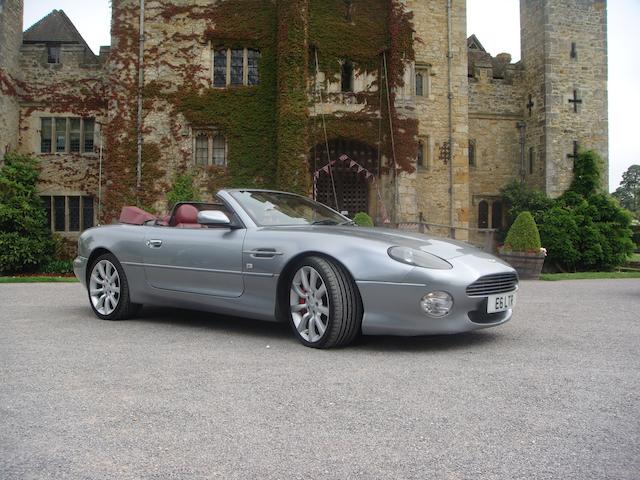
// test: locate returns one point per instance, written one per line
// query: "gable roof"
(54, 28)
(474, 44)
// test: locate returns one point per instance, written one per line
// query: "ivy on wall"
(267, 126)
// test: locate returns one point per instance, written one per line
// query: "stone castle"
(383, 106)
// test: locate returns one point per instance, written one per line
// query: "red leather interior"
(186, 216)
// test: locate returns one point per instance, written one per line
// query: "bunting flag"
(368, 175)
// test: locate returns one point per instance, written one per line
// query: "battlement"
(482, 66)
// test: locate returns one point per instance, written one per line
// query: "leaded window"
(66, 135)
(74, 135)
(45, 135)
(220, 68)
(237, 67)
(210, 148)
(419, 84)
(483, 214)
(71, 213)
(253, 70)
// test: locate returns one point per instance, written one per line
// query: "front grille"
(491, 284)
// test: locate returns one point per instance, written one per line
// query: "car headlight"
(437, 304)
(418, 258)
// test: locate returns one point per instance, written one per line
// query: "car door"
(205, 261)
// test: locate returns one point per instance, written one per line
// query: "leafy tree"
(628, 193)
(183, 189)
(25, 241)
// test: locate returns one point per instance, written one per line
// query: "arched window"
(496, 214)
(483, 214)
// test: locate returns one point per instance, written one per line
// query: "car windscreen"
(273, 208)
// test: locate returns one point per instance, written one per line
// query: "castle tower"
(564, 53)
(10, 41)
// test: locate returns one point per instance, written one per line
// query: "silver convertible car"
(282, 257)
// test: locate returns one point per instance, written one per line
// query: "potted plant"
(522, 248)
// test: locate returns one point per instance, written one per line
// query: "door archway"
(352, 188)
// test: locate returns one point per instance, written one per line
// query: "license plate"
(500, 302)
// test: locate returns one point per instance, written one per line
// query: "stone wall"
(550, 27)
(432, 181)
(74, 89)
(495, 111)
(10, 41)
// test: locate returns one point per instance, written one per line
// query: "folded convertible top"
(135, 216)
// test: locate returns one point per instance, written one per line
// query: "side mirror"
(213, 217)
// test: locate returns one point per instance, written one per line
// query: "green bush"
(25, 241)
(56, 266)
(523, 235)
(583, 229)
(183, 189)
(363, 219)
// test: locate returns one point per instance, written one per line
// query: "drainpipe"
(452, 232)
(521, 127)
(140, 85)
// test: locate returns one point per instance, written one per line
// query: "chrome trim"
(212, 270)
(373, 282)
(175, 267)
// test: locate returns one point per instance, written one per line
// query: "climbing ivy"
(267, 126)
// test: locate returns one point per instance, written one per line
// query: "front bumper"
(80, 269)
(394, 309)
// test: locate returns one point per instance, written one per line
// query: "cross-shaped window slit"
(575, 100)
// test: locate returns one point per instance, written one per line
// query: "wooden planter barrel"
(528, 265)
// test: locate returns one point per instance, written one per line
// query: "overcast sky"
(495, 23)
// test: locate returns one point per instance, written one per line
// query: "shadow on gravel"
(213, 322)
(280, 331)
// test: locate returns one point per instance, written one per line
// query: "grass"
(635, 257)
(36, 279)
(588, 275)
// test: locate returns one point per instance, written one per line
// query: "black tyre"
(324, 306)
(108, 289)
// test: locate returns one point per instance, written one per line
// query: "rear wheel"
(325, 309)
(109, 290)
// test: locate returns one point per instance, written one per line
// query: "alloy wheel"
(104, 287)
(309, 304)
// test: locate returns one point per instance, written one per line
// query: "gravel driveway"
(553, 394)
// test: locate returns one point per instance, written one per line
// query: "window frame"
(472, 153)
(85, 203)
(211, 134)
(215, 50)
(53, 137)
(425, 71)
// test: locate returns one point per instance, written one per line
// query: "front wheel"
(325, 309)
(109, 290)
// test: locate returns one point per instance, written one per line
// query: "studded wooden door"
(352, 189)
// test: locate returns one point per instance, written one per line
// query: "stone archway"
(352, 188)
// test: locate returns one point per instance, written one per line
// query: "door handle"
(263, 253)
(154, 243)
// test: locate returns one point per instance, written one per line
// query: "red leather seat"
(186, 216)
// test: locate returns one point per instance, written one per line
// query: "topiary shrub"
(523, 235)
(363, 219)
(183, 189)
(25, 241)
